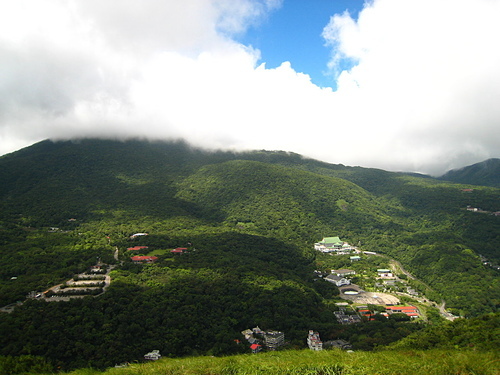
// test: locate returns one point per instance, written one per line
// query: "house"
(153, 355)
(178, 250)
(382, 272)
(337, 280)
(369, 252)
(341, 344)
(313, 341)
(257, 331)
(247, 333)
(256, 348)
(274, 339)
(138, 235)
(98, 268)
(344, 318)
(355, 258)
(143, 259)
(343, 272)
(390, 282)
(411, 291)
(137, 248)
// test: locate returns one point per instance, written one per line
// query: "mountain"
(486, 173)
(248, 221)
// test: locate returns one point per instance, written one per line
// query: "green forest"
(248, 222)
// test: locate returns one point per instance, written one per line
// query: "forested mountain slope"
(249, 221)
(419, 221)
(486, 173)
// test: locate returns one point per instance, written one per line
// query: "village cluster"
(352, 292)
(257, 338)
(272, 340)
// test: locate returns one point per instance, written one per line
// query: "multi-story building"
(274, 339)
(313, 341)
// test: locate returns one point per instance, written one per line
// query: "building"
(143, 259)
(178, 250)
(384, 273)
(341, 344)
(329, 244)
(154, 355)
(274, 339)
(337, 280)
(255, 336)
(410, 311)
(344, 318)
(256, 348)
(137, 248)
(343, 272)
(313, 341)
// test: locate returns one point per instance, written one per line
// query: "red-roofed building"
(179, 250)
(143, 259)
(136, 248)
(255, 348)
(411, 311)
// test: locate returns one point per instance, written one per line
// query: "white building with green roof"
(333, 244)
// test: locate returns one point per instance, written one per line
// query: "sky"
(402, 85)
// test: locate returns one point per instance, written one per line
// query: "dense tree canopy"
(249, 222)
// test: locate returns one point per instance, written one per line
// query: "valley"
(230, 244)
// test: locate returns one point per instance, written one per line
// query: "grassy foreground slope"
(332, 362)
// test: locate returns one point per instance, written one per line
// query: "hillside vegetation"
(306, 362)
(486, 173)
(248, 222)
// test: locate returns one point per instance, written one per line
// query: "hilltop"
(486, 173)
(248, 222)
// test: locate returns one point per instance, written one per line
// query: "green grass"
(334, 362)
(157, 252)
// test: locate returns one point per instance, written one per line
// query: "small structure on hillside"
(256, 348)
(153, 355)
(410, 311)
(179, 250)
(341, 344)
(313, 341)
(343, 272)
(344, 318)
(256, 336)
(384, 273)
(137, 248)
(143, 259)
(337, 280)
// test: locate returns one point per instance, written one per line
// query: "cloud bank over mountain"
(420, 95)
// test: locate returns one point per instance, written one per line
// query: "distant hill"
(486, 173)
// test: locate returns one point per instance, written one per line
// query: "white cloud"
(428, 71)
(422, 97)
